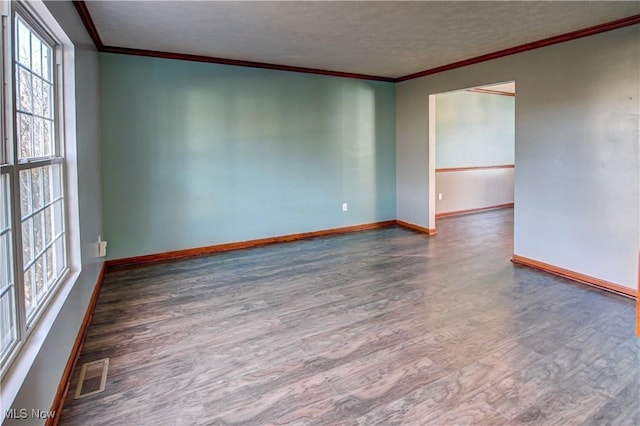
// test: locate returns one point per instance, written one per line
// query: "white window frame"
(31, 334)
(57, 157)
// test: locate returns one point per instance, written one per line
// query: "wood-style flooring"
(375, 328)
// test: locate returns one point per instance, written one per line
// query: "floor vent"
(93, 378)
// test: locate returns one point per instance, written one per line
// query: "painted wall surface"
(198, 154)
(39, 388)
(473, 189)
(576, 132)
(474, 129)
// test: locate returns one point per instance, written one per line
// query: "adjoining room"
(475, 149)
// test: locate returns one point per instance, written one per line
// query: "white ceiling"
(390, 39)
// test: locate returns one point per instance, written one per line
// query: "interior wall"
(473, 189)
(474, 130)
(41, 383)
(197, 154)
(576, 132)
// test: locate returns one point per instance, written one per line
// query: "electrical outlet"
(439, 196)
(345, 207)
(102, 247)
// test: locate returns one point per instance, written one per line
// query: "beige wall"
(576, 150)
(473, 189)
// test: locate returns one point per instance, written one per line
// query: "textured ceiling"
(389, 39)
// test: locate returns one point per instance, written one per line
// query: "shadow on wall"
(220, 154)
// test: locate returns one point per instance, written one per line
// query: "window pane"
(56, 181)
(27, 242)
(38, 142)
(60, 257)
(36, 188)
(58, 219)
(24, 44)
(29, 298)
(47, 135)
(4, 202)
(24, 92)
(25, 192)
(34, 94)
(37, 96)
(6, 269)
(6, 256)
(51, 266)
(8, 317)
(36, 54)
(46, 185)
(38, 233)
(24, 134)
(48, 224)
(39, 272)
(7, 320)
(4, 213)
(47, 105)
(47, 62)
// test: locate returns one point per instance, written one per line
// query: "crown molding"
(585, 32)
(87, 20)
(239, 63)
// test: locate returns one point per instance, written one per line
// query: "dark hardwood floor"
(379, 327)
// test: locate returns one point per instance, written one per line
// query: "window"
(33, 237)
(8, 312)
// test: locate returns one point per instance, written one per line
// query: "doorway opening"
(471, 150)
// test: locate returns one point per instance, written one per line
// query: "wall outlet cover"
(102, 248)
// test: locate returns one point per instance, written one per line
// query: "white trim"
(21, 362)
(431, 220)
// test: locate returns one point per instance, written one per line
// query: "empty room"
(308, 212)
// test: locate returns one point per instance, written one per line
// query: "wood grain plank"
(379, 327)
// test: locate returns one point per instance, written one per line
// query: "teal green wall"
(197, 154)
(474, 129)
